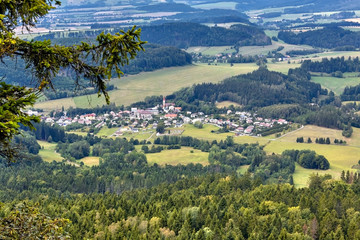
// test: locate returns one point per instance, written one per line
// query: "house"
(170, 116)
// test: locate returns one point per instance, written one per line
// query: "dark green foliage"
(184, 35)
(300, 139)
(77, 150)
(294, 53)
(351, 93)
(308, 159)
(273, 168)
(332, 65)
(347, 131)
(328, 37)
(214, 206)
(257, 89)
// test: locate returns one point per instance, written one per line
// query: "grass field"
(106, 132)
(161, 82)
(340, 157)
(337, 85)
(139, 136)
(206, 134)
(178, 156)
(47, 152)
(90, 161)
(226, 104)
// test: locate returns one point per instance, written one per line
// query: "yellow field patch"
(90, 161)
(184, 156)
(226, 104)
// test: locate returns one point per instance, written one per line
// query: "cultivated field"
(48, 153)
(178, 156)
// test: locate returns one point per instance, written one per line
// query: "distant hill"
(184, 35)
(329, 37)
(300, 6)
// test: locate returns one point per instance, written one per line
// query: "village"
(172, 117)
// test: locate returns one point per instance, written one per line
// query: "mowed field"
(183, 156)
(341, 157)
(48, 153)
(135, 88)
(334, 84)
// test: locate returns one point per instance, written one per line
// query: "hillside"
(185, 35)
(257, 89)
(155, 57)
(329, 37)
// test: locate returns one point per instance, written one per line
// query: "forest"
(328, 37)
(185, 34)
(332, 65)
(257, 89)
(215, 206)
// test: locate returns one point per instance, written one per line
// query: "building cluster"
(135, 120)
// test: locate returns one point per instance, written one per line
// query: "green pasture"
(134, 88)
(341, 157)
(184, 156)
(334, 84)
(106, 132)
(48, 153)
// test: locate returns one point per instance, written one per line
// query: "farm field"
(135, 88)
(178, 156)
(48, 153)
(334, 84)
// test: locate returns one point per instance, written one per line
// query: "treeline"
(332, 65)
(294, 53)
(212, 207)
(257, 89)
(351, 93)
(308, 159)
(156, 57)
(185, 35)
(328, 37)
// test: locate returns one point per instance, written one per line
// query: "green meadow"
(134, 88)
(184, 156)
(48, 153)
(334, 84)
